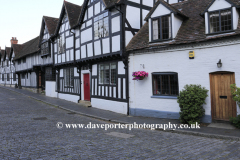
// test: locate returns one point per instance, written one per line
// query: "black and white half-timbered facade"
(48, 72)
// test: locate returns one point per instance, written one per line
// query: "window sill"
(217, 33)
(43, 55)
(160, 40)
(164, 97)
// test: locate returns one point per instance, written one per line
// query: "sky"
(23, 18)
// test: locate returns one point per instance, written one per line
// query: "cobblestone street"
(28, 131)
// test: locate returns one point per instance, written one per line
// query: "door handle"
(223, 97)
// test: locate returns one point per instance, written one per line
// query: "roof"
(2, 52)
(28, 48)
(110, 3)
(16, 48)
(73, 12)
(7, 51)
(169, 6)
(51, 24)
(192, 29)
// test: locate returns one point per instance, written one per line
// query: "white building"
(164, 48)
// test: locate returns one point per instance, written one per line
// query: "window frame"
(163, 95)
(102, 19)
(69, 78)
(220, 28)
(116, 75)
(47, 47)
(159, 19)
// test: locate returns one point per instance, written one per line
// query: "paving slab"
(221, 125)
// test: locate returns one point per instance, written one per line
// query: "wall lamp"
(219, 64)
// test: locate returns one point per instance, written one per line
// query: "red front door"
(86, 83)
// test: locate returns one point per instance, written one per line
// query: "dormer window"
(220, 21)
(162, 28)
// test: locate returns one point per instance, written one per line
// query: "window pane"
(96, 30)
(156, 34)
(166, 27)
(105, 27)
(173, 85)
(226, 20)
(214, 22)
(156, 84)
(101, 73)
(72, 77)
(165, 84)
(106, 74)
(113, 73)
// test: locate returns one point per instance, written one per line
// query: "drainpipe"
(79, 72)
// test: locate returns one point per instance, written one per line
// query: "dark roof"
(2, 52)
(7, 51)
(169, 6)
(16, 48)
(28, 48)
(51, 24)
(192, 29)
(73, 12)
(110, 3)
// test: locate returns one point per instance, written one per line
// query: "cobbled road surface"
(23, 137)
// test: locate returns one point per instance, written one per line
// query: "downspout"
(79, 72)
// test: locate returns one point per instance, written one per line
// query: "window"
(165, 84)
(108, 73)
(61, 44)
(68, 74)
(2, 77)
(19, 61)
(7, 63)
(44, 48)
(101, 26)
(24, 60)
(162, 28)
(23, 76)
(8, 77)
(220, 21)
(14, 76)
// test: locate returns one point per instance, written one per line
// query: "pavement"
(228, 133)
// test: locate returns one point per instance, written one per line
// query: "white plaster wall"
(83, 52)
(89, 49)
(219, 4)
(77, 54)
(115, 24)
(119, 107)
(147, 3)
(116, 43)
(177, 22)
(94, 69)
(160, 10)
(97, 8)
(97, 47)
(133, 16)
(195, 71)
(144, 14)
(121, 69)
(89, 23)
(128, 37)
(50, 89)
(206, 22)
(69, 42)
(106, 45)
(235, 17)
(86, 35)
(68, 97)
(90, 12)
(172, 1)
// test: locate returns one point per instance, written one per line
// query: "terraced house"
(88, 55)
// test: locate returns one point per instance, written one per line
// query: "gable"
(219, 4)
(160, 10)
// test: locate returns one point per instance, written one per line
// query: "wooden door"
(222, 105)
(86, 88)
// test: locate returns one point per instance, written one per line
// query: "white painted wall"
(86, 35)
(176, 24)
(133, 19)
(160, 10)
(94, 69)
(106, 45)
(195, 71)
(50, 89)
(219, 4)
(116, 43)
(115, 24)
(235, 17)
(119, 107)
(68, 97)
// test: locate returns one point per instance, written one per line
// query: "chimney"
(14, 40)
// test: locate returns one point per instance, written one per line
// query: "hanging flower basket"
(140, 75)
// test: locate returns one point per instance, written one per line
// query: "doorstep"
(85, 103)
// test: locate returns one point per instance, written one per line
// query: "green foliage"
(191, 100)
(235, 121)
(235, 93)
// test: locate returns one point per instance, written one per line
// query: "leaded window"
(14, 76)
(8, 77)
(101, 27)
(44, 48)
(108, 73)
(165, 84)
(61, 44)
(24, 59)
(68, 74)
(220, 21)
(162, 28)
(2, 77)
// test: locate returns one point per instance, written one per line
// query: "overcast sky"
(23, 18)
